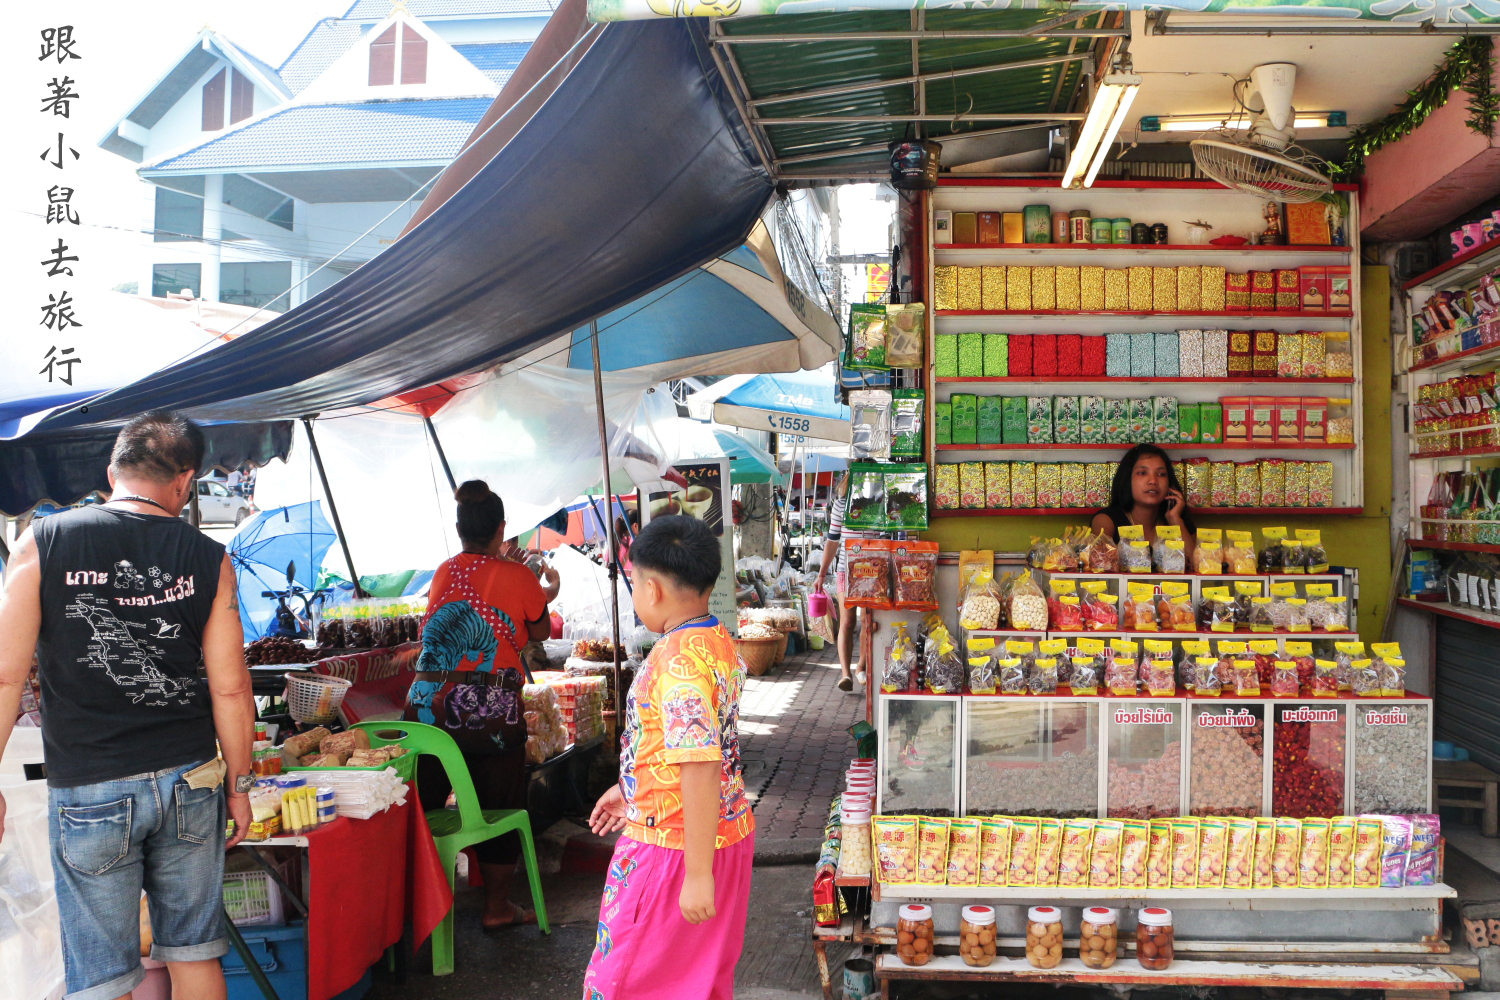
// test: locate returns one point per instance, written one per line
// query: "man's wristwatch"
(243, 783)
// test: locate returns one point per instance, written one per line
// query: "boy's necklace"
(699, 618)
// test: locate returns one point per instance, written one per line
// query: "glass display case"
(1031, 757)
(918, 755)
(1309, 744)
(1226, 773)
(1392, 769)
(1144, 743)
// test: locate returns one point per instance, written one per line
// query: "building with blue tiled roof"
(271, 183)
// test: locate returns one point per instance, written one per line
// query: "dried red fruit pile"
(1307, 777)
(1149, 790)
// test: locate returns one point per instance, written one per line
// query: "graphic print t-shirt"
(684, 708)
(125, 597)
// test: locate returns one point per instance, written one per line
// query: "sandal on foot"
(846, 684)
(520, 917)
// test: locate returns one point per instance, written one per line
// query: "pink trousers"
(645, 950)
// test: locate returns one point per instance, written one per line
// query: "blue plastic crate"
(281, 953)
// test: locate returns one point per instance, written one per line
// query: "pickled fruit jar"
(1153, 938)
(914, 934)
(1044, 936)
(976, 935)
(855, 857)
(1098, 937)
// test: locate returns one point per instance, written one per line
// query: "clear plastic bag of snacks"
(1206, 677)
(1012, 675)
(1189, 650)
(1296, 615)
(1278, 608)
(1364, 679)
(1208, 557)
(900, 663)
(1099, 555)
(1391, 668)
(1269, 560)
(1293, 559)
(1064, 609)
(1265, 654)
(1134, 554)
(1174, 611)
(1028, 608)
(1216, 610)
(1120, 674)
(1139, 612)
(1097, 609)
(1245, 591)
(1336, 615)
(1246, 680)
(945, 667)
(1229, 651)
(1239, 553)
(980, 608)
(1043, 679)
(1161, 555)
(1261, 619)
(1085, 677)
(1160, 671)
(983, 673)
(1325, 682)
(1314, 556)
(1301, 655)
(1284, 680)
(1344, 655)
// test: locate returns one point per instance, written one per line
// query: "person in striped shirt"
(833, 557)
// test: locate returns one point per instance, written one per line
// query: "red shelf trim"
(1246, 314)
(1126, 378)
(1427, 276)
(1227, 446)
(1449, 611)
(1055, 180)
(1070, 511)
(1452, 357)
(1433, 543)
(1173, 247)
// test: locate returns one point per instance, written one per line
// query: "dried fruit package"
(1345, 653)
(1135, 847)
(1134, 553)
(1012, 675)
(945, 672)
(963, 851)
(1159, 855)
(1265, 653)
(1206, 677)
(1120, 674)
(1239, 855)
(1239, 553)
(1213, 842)
(1325, 682)
(1139, 613)
(1314, 556)
(1099, 555)
(1028, 608)
(1216, 610)
(1246, 680)
(1184, 853)
(915, 575)
(1104, 858)
(1260, 615)
(1161, 673)
(1097, 608)
(900, 663)
(1163, 556)
(1187, 666)
(1048, 851)
(1421, 858)
(1271, 550)
(1391, 669)
(1312, 863)
(1395, 842)
(1064, 611)
(1292, 559)
(1368, 833)
(1043, 679)
(1286, 852)
(1088, 675)
(980, 610)
(1265, 844)
(994, 851)
(895, 848)
(1364, 679)
(932, 850)
(1300, 653)
(983, 673)
(1023, 844)
(868, 572)
(1341, 853)
(1073, 864)
(1284, 680)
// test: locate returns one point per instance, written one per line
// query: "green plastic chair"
(455, 829)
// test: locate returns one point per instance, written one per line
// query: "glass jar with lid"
(1153, 938)
(854, 853)
(1044, 936)
(976, 935)
(1098, 937)
(914, 934)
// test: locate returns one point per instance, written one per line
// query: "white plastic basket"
(315, 698)
(252, 898)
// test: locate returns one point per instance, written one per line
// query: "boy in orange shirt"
(672, 920)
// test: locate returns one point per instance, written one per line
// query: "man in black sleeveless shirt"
(126, 606)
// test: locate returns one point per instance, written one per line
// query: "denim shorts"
(111, 840)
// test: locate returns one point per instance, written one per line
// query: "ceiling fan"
(1267, 162)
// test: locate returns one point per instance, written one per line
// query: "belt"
(477, 678)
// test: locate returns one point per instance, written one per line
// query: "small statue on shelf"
(1272, 235)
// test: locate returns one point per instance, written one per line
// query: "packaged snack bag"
(1077, 841)
(932, 850)
(1120, 674)
(1213, 842)
(1064, 613)
(1239, 856)
(895, 848)
(1099, 610)
(1286, 852)
(1368, 834)
(994, 851)
(1246, 680)
(1187, 664)
(1206, 677)
(1011, 673)
(1048, 851)
(1139, 612)
(1325, 683)
(1272, 551)
(1043, 679)
(980, 597)
(1390, 669)
(1217, 609)
(1209, 556)
(1345, 653)
(1364, 679)
(1028, 607)
(1184, 853)
(983, 671)
(1165, 558)
(1312, 863)
(901, 662)
(1161, 672)
(1314, 556)
(963, 850)
(1395, 842)
(1085, 679)
(1176, 611)
(1159, 855)
(1341, 853)
(1421, 859)
(1265, 844)
(1239, 553)
(1104, 858)
(1134, 552)
(915, 575)
(1023, 844)
(868, 571)
(1284, 680)
(1135, 846)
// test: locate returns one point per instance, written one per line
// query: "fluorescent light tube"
(1106, 112)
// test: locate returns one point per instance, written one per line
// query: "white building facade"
(270, 184)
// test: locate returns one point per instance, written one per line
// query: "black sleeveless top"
(125, 597)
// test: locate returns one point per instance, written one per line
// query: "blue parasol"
(261, 550)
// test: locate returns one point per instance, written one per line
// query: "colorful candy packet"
(1023, 838)
(895, 848)
(1239, 856)
(1135, 845)
(1421, 858)
(1368, 834)
(1213, 841)
(1395, 842)
(1265, 845)
(1159, 855)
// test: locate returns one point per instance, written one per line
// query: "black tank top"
(125, 597)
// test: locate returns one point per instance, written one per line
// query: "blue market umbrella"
(263, 548)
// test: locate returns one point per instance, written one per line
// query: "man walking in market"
(122, 604)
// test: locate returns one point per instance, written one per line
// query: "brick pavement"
(794, 745)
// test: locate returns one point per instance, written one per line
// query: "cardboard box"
(1340, 291)
(1236, 416)
(1314, 418)
(1262, 419)
(1288, 419)
(942, 414)
(989, 227)
(1164, 419)
(1013, 419)
(1142, 416)
(1312, 288)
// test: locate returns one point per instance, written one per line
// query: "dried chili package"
(1325, 682)
(1097, 608)
(1064, 611)
(915, 575)
(1284, 680)
(1286, 853)
(994, 851)
(1265, 653)
(1159, 855)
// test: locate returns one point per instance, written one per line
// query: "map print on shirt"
(130, 661)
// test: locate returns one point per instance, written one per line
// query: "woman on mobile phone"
(1146, 492)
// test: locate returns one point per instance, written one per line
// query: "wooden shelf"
(1140, 247)
(1122, 379)
(1451, 611)
(1227, 446)
(1074, 511)
(1433, 543)
(1237, 314)
(1457, 262)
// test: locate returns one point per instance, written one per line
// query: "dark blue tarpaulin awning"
(636, 169)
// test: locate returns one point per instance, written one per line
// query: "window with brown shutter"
(383, 59)
(213, 103)
(241, 97)
(413, 56)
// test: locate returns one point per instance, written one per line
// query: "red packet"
(1019, 354)
(1069, 354)
(1044, 354)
